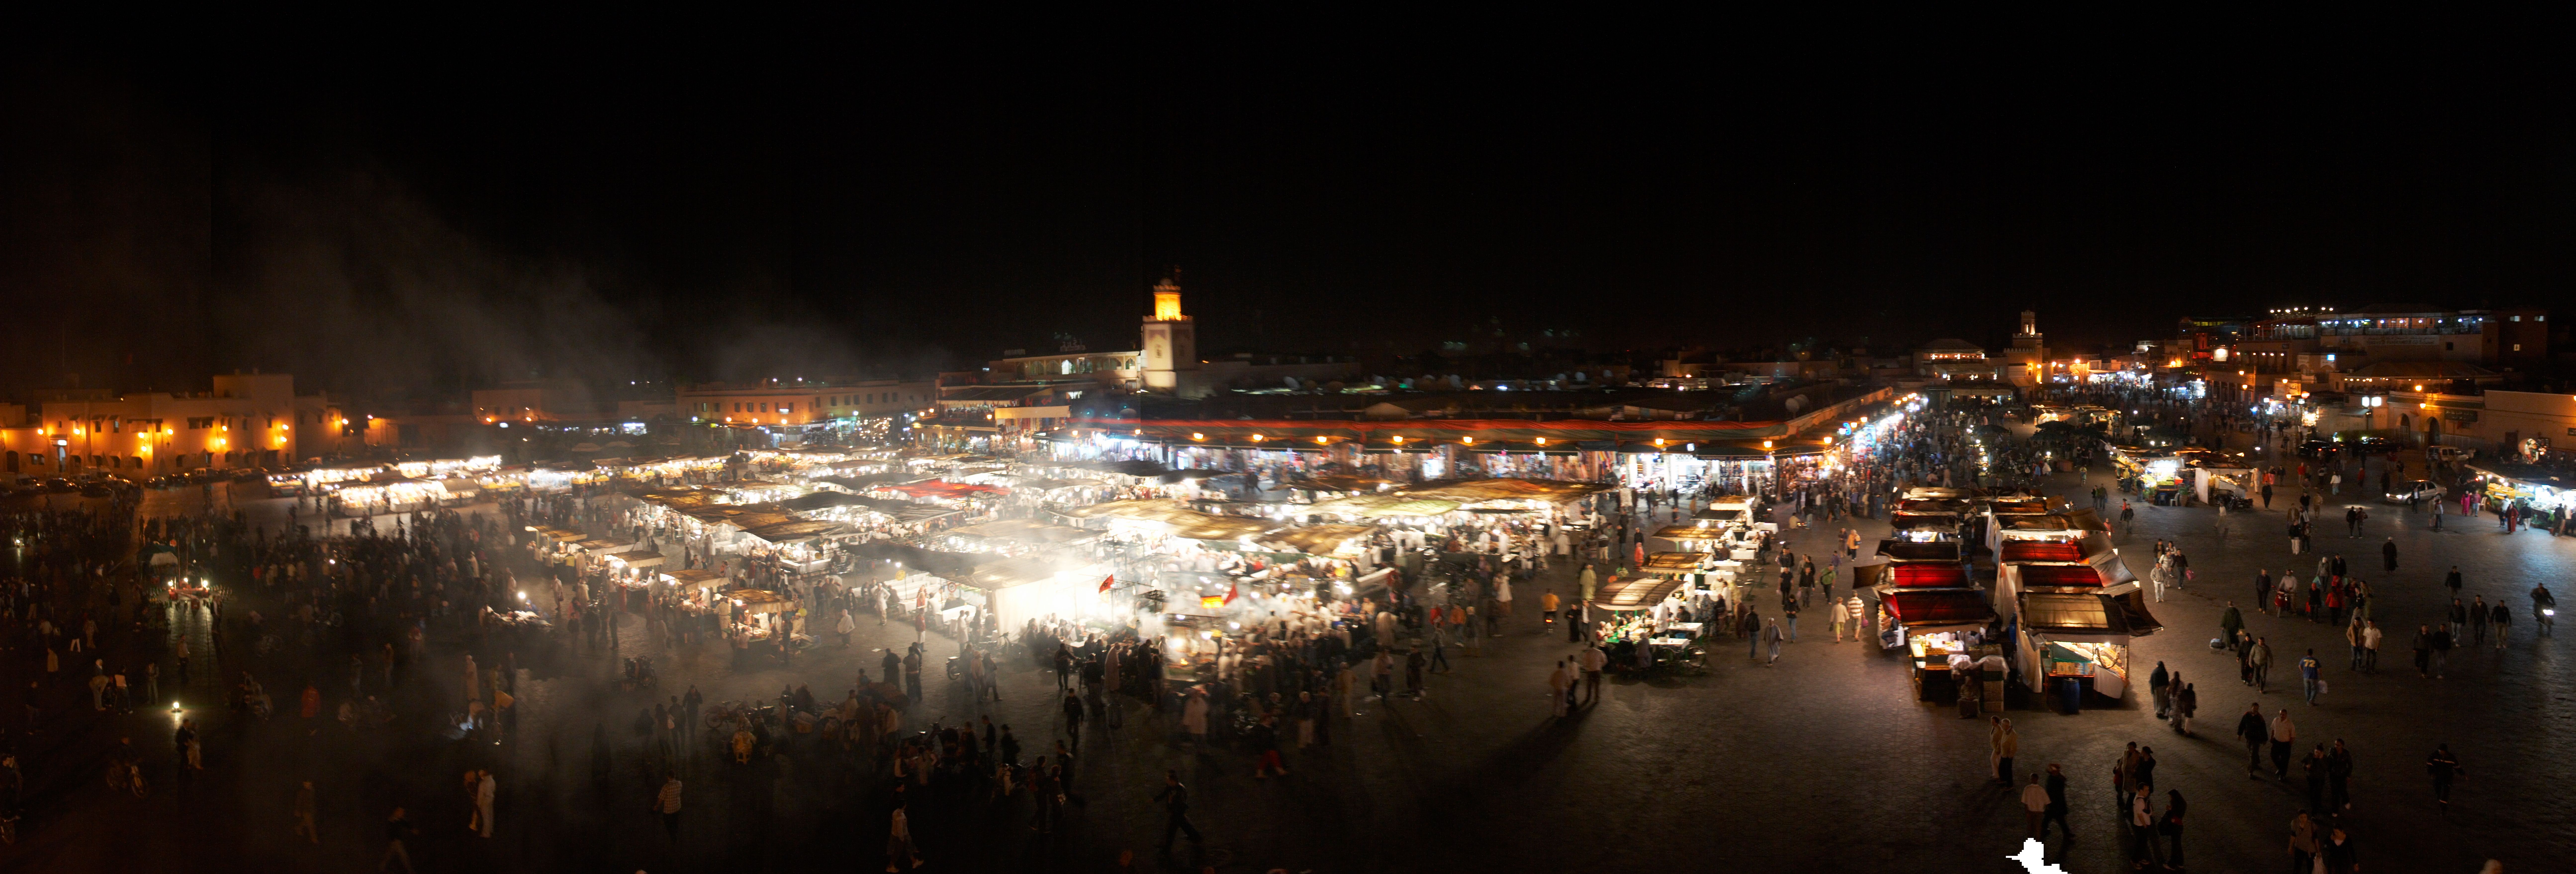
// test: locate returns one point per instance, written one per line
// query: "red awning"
(1940, 607)
(1929, 575)
(2082, 575)
(2042, 550)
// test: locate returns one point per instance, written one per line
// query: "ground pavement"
(1824, 759)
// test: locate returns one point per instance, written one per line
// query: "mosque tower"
(1171, 348)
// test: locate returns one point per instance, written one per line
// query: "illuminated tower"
(1171, 359)
(2028, 355)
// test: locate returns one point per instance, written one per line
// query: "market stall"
(1940, 630)
(2535, 490)
(2073, 639)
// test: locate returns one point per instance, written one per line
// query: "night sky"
(843, 198)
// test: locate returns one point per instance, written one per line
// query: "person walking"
(2142, 827)
(1771, 638)
(1592, 660)
(2309, 682)
(2388, 556)
(2303, 842)
(2057, 806)
(900, 850)
(1175, 799)
(2259, 657)
(2160, 685)
(2186, 703)
(2005, 743)
(484, 791)
(2444, 768)
(1194, 716)
(666, 802)
(2441, 650)
(2170, 825)
(2370, 637)
(1073, 713)
(1558, 682)
(2503, 619)
(2283, 734)
(397, 830)
(2034, 805)
(2474, 619)
(303, 813)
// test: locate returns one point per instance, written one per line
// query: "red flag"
(1229, 593)
(1105, 581)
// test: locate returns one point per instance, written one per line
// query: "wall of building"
(801, 404)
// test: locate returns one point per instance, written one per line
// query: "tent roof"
(1314, 539)
(1381, 505)
(2078, 613)
(1939, 606)
(1507, 488)
(1023, 529)
(1014, 572)
(1673, 562)
(1634, 593)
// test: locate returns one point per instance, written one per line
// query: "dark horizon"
(423, 218)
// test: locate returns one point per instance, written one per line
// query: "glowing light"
(1256, 438)
(1542, 441)
(1399, 438)
(1194, 435)
(1319, 440)
(1471, 441)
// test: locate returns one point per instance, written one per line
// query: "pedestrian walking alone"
(397, 830)
(2444, 768)
(666, 802)
(2005, 743)
(1175, 799)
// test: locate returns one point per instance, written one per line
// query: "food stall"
(2073, 639)
(2233, 486)
(1932, 625)
(1732, 541)
(1625, 617)
(1924, 527)
(2534, 488)
(2153, 473)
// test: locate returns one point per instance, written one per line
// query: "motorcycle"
(639, 674)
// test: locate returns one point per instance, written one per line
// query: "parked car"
(2413, 490)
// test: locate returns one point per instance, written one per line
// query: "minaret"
(2029, 352)
(1171, 351)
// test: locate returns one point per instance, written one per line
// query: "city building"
(1953, 359)
(802, 401)
(535, 401)
(1167, 360)
(245, 420)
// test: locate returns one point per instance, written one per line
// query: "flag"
(1229, 593)
(1106, 581)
